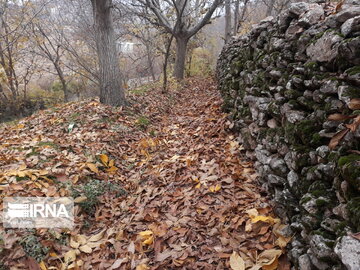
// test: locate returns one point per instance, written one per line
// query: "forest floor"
(158, 185)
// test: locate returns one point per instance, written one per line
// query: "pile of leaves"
(158, 185)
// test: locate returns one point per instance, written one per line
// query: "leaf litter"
(189, 200)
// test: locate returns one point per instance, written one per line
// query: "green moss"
(48, 144)
(353, 71)
(274, 109)
(318, 188)
(305, 131)
(340, 228)
(352, 92)
(311, 65)
(143, 122)
(325, 234)
(305, 199)
(348, 159)
(321, 203)
(292, 94)
(353, 207)
(350, 170)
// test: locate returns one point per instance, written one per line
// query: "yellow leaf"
(217, 187)
(73, 243)
(85, 249)
(142, 267)
(112, 169)
(111, 163)
(212, 189)
(146, 233)
(93, 167)
(149, 241)
(42, 265)
(53, 254)
(80, 239)
(264, 219)
(70, 256)
(236, 262)
(80, 199)
(198, 185)
(43, 172)
(104, 159)
(96, 237)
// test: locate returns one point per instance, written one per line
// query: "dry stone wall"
(280, 82)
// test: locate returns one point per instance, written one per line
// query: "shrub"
(33, 247)
(92, 190)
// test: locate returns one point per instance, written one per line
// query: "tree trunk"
(227, 21)
(181, 46)
(63, 81)
(236, 17)
(111, 89)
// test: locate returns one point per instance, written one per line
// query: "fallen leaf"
(85, 249)
(96, 237)
(340, 117)
(93, 167)
(142, 267)
(337, 138)
(236, 262)
(70, 256)
(104, 159)
(354, 104)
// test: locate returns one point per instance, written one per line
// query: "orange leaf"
(92, 167)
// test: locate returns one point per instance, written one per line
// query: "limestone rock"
(348, 250)
(325, 48)
(352, 25)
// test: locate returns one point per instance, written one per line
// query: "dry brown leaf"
(340, 117)
(337, 138)
(236, 262)
(97, 236)
(70, 256)
(85, 249)
(354, 104)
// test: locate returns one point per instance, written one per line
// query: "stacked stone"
(280, 82)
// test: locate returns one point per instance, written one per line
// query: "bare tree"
(182, 25)
(49, 47)
(111, 88)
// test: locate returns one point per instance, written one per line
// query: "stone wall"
(280, 83)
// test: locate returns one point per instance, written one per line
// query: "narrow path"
(192, 200)
(195, 191)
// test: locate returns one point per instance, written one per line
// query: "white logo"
(33, 212)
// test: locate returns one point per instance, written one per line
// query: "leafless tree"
(182, 25)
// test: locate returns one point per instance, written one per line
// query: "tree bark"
(227, 20)
(181, 46)
(236, 17)
(111, 88)
(63, 82)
